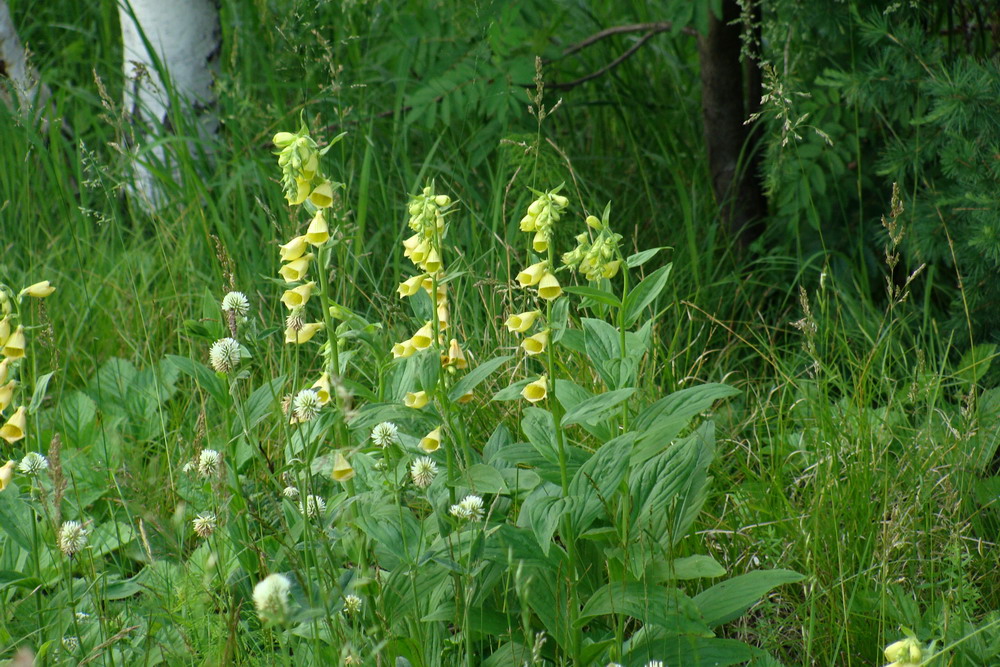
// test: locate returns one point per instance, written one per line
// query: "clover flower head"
(224, 355)
(654, 663)
(72, 538)
(33, 463)
(236, 302)
(469, 508)
(204, 524)
(71, 644)
(306, 405)
(209, 462)
(290, 492)
(312, 506)
(423, 471)
(352, 604)
(270, 597)
(385, 434)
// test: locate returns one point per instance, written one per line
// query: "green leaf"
(683, 569)
(15, 518)
(602, 345)
(597, 480)
(640, 258)
(728, 600)
(261, 403)
(686, 650)
(558, 319)
(513, 392)
(39, 394)
(645, 293)
(77, 418)
(542, 510)
(596, 409)
(203, 376)
(662, 421)
(666, 607)
(975, 363)
(595, 294)
(476, 376)
(570, 395)
(482, 478)
(540, 428)
(573, 339)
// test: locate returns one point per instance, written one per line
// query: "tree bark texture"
(171, 52)
(733, 153)
(32, 96)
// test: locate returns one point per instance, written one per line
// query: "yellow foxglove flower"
(13, 430)
(537, 390)
(322, 195)
(611, 269)
(7, 394)
(466, 397)
(455, 356)
(532, 275)
(293, 298)
(342, 470)
(282, 139)
(304, 334)
(432, 263)
(521, 322)
(411, 286)
(548, 287)
(39, 290)
(322, 388)
(318, 232)
(420, 251)
(302, 188)
(424, 337)
(443, 316)
(14, 347)
(431, 442)
(296, 270)
(904, 652)
(4, 331)
(536, 344)
(403, 350)
(540, 243)
(311, 166)
(293, 249)
(4, 368)
(6, 474)
(416, 400)
(410, 244)
(528, 223)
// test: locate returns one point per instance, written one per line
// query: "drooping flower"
(423, 338)
(72, 537)
(521, 322)
(431, 442)
(322, 196)
(322, 388)
(537, 390)
(403, 350)
(4, 369)
(410, 286)
(319, 231)
(342, 470)
(39, 290)
(536, 344)
(469, 508)
(204, 524)
(15, 345)
(6, 474)
(385, 434)
(14, 429)
(33, 463)
(294, 249)
(455, 356)
(423, 470)
(270, 597)
(416, 400)
(296, 270)
(7, 393)
(302, 335)
(225, 355)
(548, 287)
(297, 296)
(236, 302)
(533, 274)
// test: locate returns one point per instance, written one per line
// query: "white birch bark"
(32, 95)
(184, 37)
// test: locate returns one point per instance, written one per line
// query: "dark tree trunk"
(726, 103)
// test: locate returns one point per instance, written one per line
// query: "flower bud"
(442, 200)
(282, 139)
(528, 223)
(594, 222)
(39, 290)
(536, 207)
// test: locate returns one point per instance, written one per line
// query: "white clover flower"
(72, 537)
(654, 663)
(204, 524)
(82, 616)
(237, 303)
(384, 434)
(423, 471)
(224, 355)
(306, 405)
(71, 644)
(270, 597)
(312, 506)
(209, 462)
(33, 463)
(352, 604)
(469, 508)
(188, 467)
(290, 492)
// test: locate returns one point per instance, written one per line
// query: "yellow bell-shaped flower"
(304, 334)
(521, 322)
(536, 344)
(39, 290)
(403, 350)
(302, 188)
(342, 470)
(611, 269)
(322, 195)
(532, 275)
(7, 394)
(6, 474)
(432, 263)
(416, 399)
(293, 298)
(527, 223)
(322, 388)
(411, 286)
(297, 269)
(293, 249)
(13, 430)
(14, 347)
(537, 390)
(540, 243)
(455, 356)
(319, 231)
(548, 287)
(4, 330)
(424, 337)
(432, 441)
(466, 397)
(410, 244)
(4, 368)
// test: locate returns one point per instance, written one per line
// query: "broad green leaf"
(596, 409)
(540, 428)
(690, 651)
(662, 421)
(570, 395)
(668, 608)
(558, 319)
(603, 344)
(728, 600)
(513, 392)
(683, 569)
(640, 258)
(410, 593)
(77, 418)
(395, 532)
(39, 394)
(482, 478)
(541, 512)
(476, 376)
(110, 536)
(595, 294)
(203, 376)
(976, 362)
(596, 482)
(645, 293)
(573, 339)
(261, 403)
(15, 518)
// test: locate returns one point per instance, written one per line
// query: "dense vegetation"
(710, 453)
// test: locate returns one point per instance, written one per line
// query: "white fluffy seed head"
(270, 597)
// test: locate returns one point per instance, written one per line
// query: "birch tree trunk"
(32, 96)
(171, 52)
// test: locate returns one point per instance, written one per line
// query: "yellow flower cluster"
(294, 269)
(301, 178)
(597, 258)
(12, 347)
(904, 653)
(542, 214)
